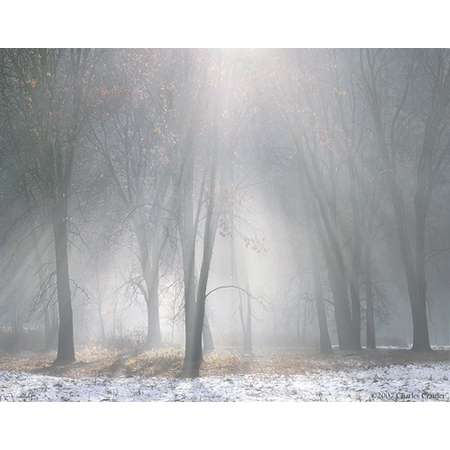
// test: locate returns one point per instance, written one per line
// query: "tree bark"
(248, 341)
(153, 323)
(370, 316)
(149, 259)
(324, 336)
(208, 342)
(339, 288)
(66, 349)
(356, 261)
(421, 340)
(194, 354)
(187, 234)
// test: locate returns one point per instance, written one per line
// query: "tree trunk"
(370, 316)
(46, 329)
(194, 349)
(421, 340)
(338, 285)
(355, 271)
(188, 234)
(208, 343)
(248, 344)
(194, 356)
(355, 299)
(66, 349)
(102, 324)
(246, 324)
(51, 327)
(324, 336)
(153, 323)
(149, 258)
(99, 304)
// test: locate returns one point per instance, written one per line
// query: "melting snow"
(414, 382)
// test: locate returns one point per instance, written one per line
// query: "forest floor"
(383, 374)
(95, 361)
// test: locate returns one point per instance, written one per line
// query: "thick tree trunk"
(17, 326)
(187, 235)
(342, 313)
(338, 285)
(194, 355)
(149, 258)
(99, 304)
(248, 341)
(189, 327)
(66, 349)
(246, 324)
(208, 342)
(153, 323)
(355, 272)
(101, 322)
(324, 336)
(370, 316)
(356, 303)
(50, 327)
(421, 340)
(356, 315)
(194, 349)
(46, 329)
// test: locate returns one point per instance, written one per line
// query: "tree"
(44, 97)
(130, 131)
(393, 128)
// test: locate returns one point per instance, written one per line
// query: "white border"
(231, 23)
(223, 426)
(225, 23)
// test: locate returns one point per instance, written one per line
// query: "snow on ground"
(414, 382)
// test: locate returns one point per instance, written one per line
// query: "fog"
(248, 200)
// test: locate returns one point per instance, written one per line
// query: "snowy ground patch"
(414, 382)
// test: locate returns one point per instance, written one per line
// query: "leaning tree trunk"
(66, 349)
(194, 354)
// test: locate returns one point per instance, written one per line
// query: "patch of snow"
(414, 382)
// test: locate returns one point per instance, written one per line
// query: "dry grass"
(92, 362)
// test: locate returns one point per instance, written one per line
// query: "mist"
(248, 202)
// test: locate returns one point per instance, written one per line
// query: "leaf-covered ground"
(97, 362)
(103, 375)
